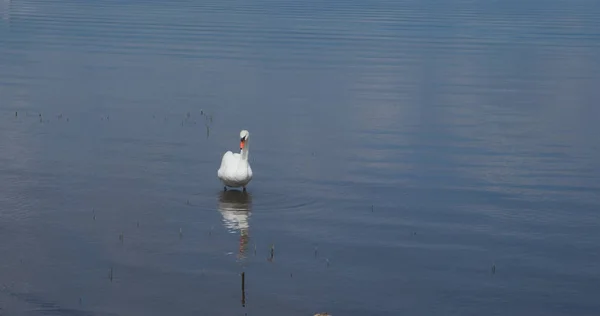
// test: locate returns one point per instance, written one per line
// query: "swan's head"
(244, 135)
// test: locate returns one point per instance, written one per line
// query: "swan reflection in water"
(235, 207)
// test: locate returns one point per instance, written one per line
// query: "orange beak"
(242, 144)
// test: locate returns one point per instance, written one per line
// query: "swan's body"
(235, 169)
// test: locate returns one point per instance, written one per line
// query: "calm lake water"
(409, 157)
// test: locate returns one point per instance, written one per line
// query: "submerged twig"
(272, 252)
(244, 289)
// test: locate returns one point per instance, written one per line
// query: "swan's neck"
(244, 152)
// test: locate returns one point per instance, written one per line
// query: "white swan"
(235, 169)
